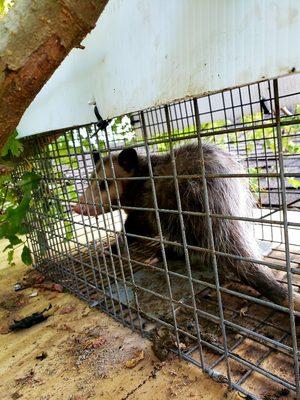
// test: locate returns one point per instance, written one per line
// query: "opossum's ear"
(128, 159)
(96, 156)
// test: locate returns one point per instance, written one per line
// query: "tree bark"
(35, 37)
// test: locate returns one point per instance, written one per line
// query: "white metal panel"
(148, 52)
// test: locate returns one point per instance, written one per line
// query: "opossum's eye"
(128, 159)
(102, 185)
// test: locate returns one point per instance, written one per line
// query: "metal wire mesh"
(226, 328)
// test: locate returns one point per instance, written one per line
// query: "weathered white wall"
(148, 52)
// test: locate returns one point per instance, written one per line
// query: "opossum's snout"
(89, 202)
(86, 209)
(103, 192)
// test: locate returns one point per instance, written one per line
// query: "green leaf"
(2, 6)
(5, 5)
(26, 256)
(10, 256)
(16, 215)
(24, 228)
(69, 230)
(6, 230)
(250, 147)
(4, 179)
(294, 182)
(12, 145)
(14, 240)
(258, 134)
(30, 181)
(254, 181)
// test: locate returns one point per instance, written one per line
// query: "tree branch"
(35, 37)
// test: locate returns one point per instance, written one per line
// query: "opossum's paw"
(153, 260)
(158, 257)
(113, 248)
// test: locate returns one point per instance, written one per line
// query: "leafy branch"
(15, 201)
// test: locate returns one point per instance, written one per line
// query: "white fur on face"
(96, 199)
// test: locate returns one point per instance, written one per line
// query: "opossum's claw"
(158, 256)
(153, 260)
(113, 248)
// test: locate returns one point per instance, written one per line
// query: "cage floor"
(101, 281)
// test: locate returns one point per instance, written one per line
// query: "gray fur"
(227, 196)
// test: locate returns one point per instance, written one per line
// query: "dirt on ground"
(80, 353)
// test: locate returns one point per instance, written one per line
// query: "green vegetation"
(15, 202)
(5, 5)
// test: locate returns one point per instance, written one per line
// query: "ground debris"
(13, 301)
(56, 287)
(67, 310)
(95, 348)
(277, 395)
(135, 360)
(31, 278)
(220, 379)
(243, 311)
(30, 320)
(171, 392)
(86, 311)
(42, 356)
(52, 287)
(4, 330)
(18, 287)
(65, 327)
(16, 395)
(163, 341)
(33, 294)
(36, 280)
(102, 351)
(27, 379)
(95, 343)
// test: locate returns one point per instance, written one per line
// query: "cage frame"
(135, 315)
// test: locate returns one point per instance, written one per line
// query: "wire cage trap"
(210, 319)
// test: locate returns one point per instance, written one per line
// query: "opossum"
(227, 196)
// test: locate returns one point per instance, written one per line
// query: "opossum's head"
(103, 189)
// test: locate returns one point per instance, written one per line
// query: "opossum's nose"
(86, 209)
